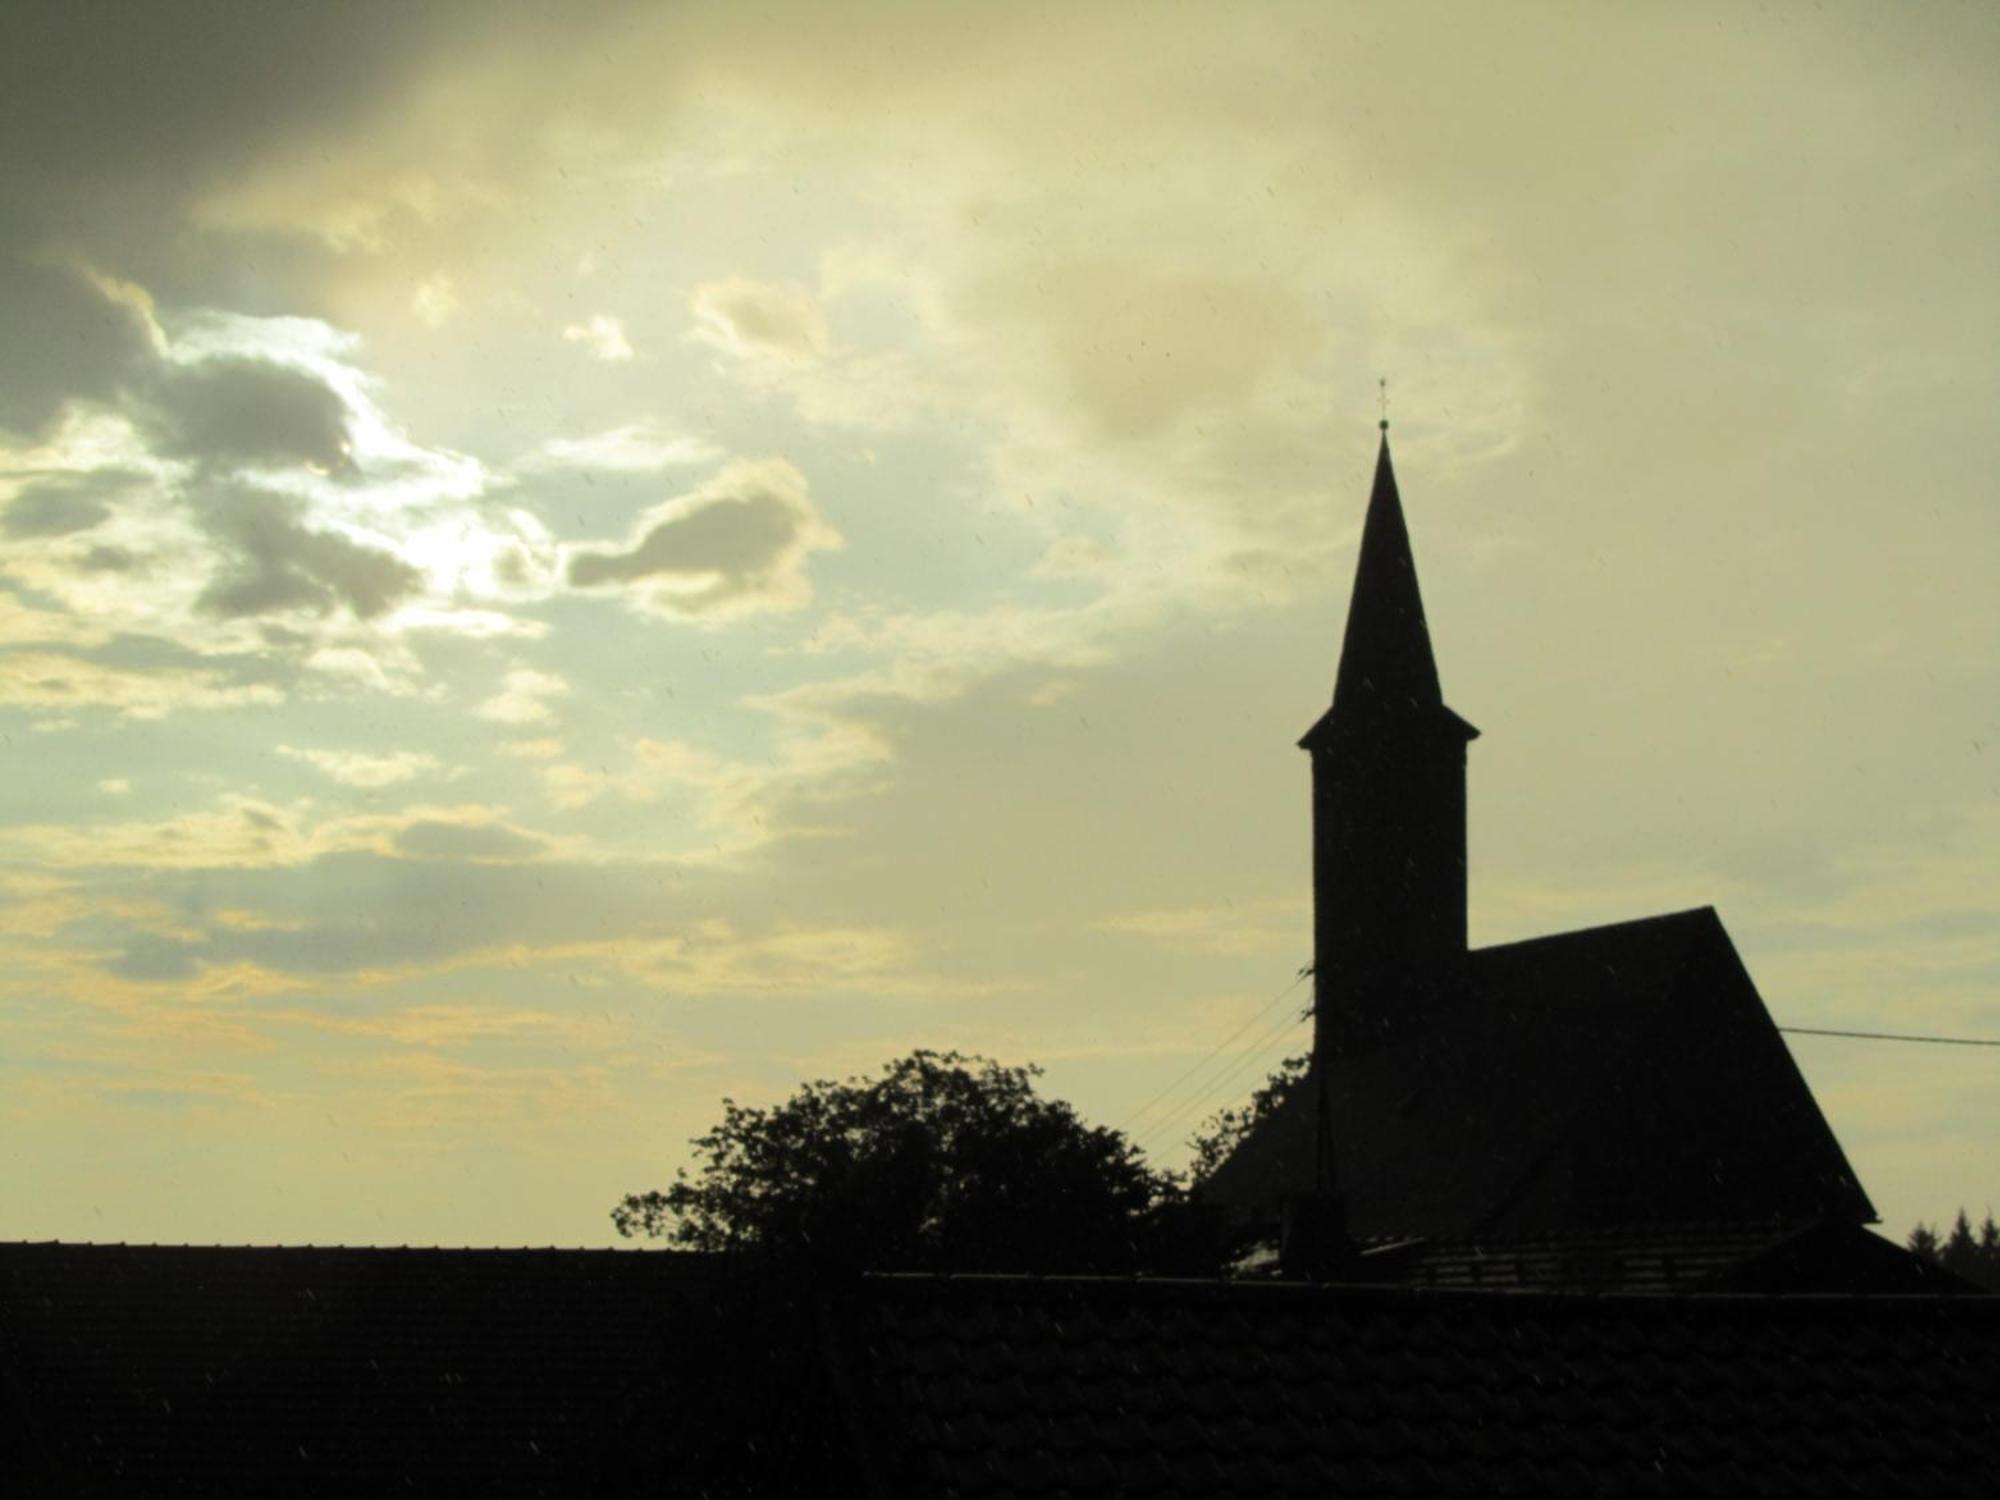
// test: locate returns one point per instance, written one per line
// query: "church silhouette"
(1608, 1106)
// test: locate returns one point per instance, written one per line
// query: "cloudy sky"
(558, 563)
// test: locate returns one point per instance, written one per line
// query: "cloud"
(236, 832)
(759, 320)
(360, 769)
(150, 958)
(375, 918)
(61, 338)
(603, 336)
(24, 624)
(135, 518)
(253, 834)
(64, 503)
(434, 301)
(637, 448)
(1136, 350)
(234, 410)
(1074, 557)
(278, 564)
(714, 958)
(822, 756)
(541, 749)
(1252, 930)
(435, 839)
(455, 1026)
(735, 545)
(51, 681)
(523, 698)
(658, 766)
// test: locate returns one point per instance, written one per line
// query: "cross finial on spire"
(1383, 384)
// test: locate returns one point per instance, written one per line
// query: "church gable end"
(1702, 1119)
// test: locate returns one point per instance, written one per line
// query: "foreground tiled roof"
(205, 1371)
(1612, 1077)
(1000, 1387)
(178, 1372)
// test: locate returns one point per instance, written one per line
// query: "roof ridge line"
(1663, 918)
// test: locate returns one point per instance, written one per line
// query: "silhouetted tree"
(1976, 1257)
(1227, 1129)
(942, 1162)
(1961, 1251)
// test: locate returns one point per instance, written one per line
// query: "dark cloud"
(113, 117)
(741, 316)
(437, 840)
(740, 536)
(129, 651)
(156, 960)
(60, 337)
(115, 120)
(250, 411)
(63, 504)
(735, 536)
(279, 564)
(348, 912)
(109, 560)
(119, 120)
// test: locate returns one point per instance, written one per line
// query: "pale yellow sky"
(562, 562)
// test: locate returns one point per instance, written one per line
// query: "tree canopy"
(1227, 1129)
(942, 1162)
(1975, 1256)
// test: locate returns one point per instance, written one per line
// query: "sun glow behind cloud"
(617, 555)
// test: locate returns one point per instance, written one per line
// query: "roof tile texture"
(1157, 1388)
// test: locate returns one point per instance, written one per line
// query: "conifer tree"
(1975, 1256)
(1961, 1252)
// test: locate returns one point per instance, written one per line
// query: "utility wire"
(1198, 1104)
(1206, 1093)
(1893, 1036)
(1200, 1108)
(1214, 1052)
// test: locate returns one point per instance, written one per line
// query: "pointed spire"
(1387, 669)
(1386, 660)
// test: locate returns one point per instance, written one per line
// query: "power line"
(1213, 1052)
(1198, 1104)
(1198, 1108)
(1893, 1036)
(1213, 1089)
(1204, 1089)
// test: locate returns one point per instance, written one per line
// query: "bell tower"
(1388, 800)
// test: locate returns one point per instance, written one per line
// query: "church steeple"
(1388, 767)
(1386, 659)
(1386, 662)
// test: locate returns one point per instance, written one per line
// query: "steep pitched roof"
(1616, 1076)
(1004, 1386)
